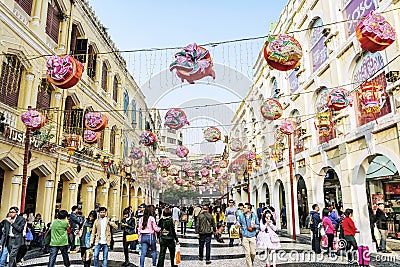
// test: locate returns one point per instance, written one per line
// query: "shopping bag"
(29, 236)
(190, 224)
(234, 232)
(88, 254)
(131, 238)
(363, 256)
(177, 255)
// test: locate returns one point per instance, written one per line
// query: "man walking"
(205, 226)
(230, 215)
(315, 220)
(101, 236)
(13, 235)
(176, 212)
(74, 220)
(59, 239)
(249, 223)
(196, 212)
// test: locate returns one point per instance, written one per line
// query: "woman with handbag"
(329, 230)
(267, 238)
(128, 225)
(85, 232)
(167, 238)
(219, 218)
(146, 233)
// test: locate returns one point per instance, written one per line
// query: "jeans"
(3, 258)
(383, 234)
(96, 254)
(249, 247)
(205, 239)
(229, 225)
(53, 255)
(316, 242)
(146, 242)
(164, 244)
(13, 248)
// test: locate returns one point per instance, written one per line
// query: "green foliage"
(175, 196)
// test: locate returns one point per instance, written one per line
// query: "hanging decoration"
(370, 94)
(72, 142)
(212, 134)
(127, 162)
(150, 167)
(96, 121)
(33, 119)
(204, 172)
(207, 162)
(136, 153)
(164, 174)
(375, 33)
(217, 170)
(147, 138)
(179, 181)
(339, 99)
(165, 162)
(271, 109)
(174, 171)
(191, 173)
(258, 161)
(175, 118)
(223, 164)
(324, 124)
(236, 145)
(250, 155)
(236, 168)
(287, 126)
(226, 177)
(181, 151)
(106, 162)
(64, 71)
(276, 152)
(186, 166)
(91, 137)
(193, 63)
(282, 52)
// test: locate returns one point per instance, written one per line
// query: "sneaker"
(208, 262)
(199, 258)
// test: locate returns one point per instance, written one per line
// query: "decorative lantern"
(204, 172)
(176, 119)
(223, 164)
(174, 171)
(181, 151)
(236, 145)
(287, 126)
(339, 99)
(96, 121)
(193, 63)
(370, 97)
(258, 161)
(186, 166)
(64, 71)
(165, 162)
(106, 162)
(164, 173)
(136, 153)
(276, 152)
(91, 137)
(193, 188)
(127, 162)
(176, 187)
(226, 177)
(191, 173)
(324, 123)
(204, 180)
(236, 168)
(282, 52)
(73, 142)
(152, 166)
(33, 119)
(147, 138)
(207, 162)
(179, 181)
(375, 33)
(250, 155)
(212, 134)
(271, 109)
(217, 170)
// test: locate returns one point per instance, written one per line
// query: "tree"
(176, 196)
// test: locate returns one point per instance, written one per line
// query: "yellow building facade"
(357, 163)
(30, 31)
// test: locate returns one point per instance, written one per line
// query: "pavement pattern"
(291, 253)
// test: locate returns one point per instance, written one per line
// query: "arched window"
(126, 102)
(10, 80)
(112, 139)
(115, 89)
(319, 53)
(133, 111)
(104, 76)
(275, 90)
(140, 119)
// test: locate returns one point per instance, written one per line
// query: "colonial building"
(356, 164)
(30, 31)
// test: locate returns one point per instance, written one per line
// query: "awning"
(381, 167)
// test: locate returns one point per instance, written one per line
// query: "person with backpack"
(168, 238)
(128, 226)
(85, 237)
(205, 226)
(38, 227)
(313, 222)
(249, 223)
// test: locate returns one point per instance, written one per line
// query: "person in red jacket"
(350, 231)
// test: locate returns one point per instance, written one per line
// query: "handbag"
(177, 259)
(88, 255)
(234, 232)
(131, 238)
(29, 236)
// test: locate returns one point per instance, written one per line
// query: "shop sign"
(354, 10)
(370, 64)
(19, 137)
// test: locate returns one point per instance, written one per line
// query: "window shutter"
(91, 67)
(81, 49)
(73, 121)
(72, 44)
(10, 80)
(115, 90)
(26, 5)
(44, 95)
(53, 23)
(104, 77)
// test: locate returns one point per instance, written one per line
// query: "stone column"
(97, 77)
(88, 197)
(64, 35)
(106, 141)
(102, 192)
(120, 96)
(37, 12)
(110, 85)
(15, 197)
(48, 200)
(70, 192)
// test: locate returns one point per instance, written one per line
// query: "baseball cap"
(231, 201)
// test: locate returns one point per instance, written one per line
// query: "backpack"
(309, 222)
(204, 226)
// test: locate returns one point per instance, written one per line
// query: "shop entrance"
(31, 193)
(332, 189)
(265, 191)
(383, 185)
(302, 201)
